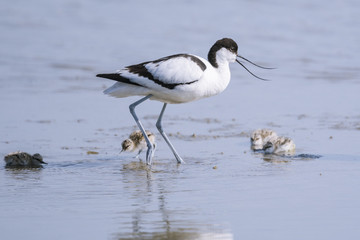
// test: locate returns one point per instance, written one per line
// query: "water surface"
(51, 103)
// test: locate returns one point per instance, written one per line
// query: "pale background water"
(52, 103)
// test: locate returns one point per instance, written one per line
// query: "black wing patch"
(117, 77)
(141, 70)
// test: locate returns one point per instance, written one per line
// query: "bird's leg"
(138, 154)
(149, 153)
(159, 127)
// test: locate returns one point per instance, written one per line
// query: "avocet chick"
(260, 137)
(136, 141)
(23, 159)
(281, 145)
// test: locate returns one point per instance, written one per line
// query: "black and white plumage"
(177, 78)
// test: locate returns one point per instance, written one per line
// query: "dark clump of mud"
(304, 156)
(23, 160)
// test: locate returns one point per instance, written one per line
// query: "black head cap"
(227, 43)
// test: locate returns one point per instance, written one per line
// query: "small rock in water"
(23, 160)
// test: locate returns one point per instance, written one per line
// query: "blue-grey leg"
(138, 154)
(150, 151)
(159, 127)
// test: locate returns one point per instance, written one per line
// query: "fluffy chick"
(136, 142)
(281, 145)
(260, 137)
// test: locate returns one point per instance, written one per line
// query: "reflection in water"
(180, 235)
(24, 173)
(275, 159)
(158, 221)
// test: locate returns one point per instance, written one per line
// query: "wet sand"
(52, 103)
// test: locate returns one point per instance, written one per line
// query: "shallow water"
(51, 103)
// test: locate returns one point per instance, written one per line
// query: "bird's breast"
(215, 81)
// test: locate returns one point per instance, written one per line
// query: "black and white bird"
(174, 79)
